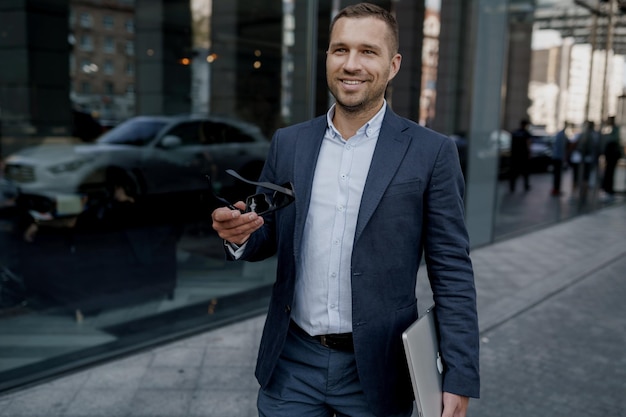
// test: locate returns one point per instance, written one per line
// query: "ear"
(396, 60)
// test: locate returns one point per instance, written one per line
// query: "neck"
(348, 122)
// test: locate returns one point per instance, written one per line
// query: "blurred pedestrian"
(559, 150)
(373, 192)
(587, 149)
(574, 160)
(520, 155)
(612, 153)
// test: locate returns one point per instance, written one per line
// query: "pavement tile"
(177, 378)
(100, 403)
(160, 402)
(36, 402)
(176, 355)
(116, 377)
(228, 377)
(210, 403)
(218, 356)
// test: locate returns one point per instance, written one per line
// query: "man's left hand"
(454, 405)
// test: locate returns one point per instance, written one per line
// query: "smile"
(351, 82)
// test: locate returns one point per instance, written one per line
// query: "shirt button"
(332, 306)
(333, 275)
(340, 208)
(348, 147)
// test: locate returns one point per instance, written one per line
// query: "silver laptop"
(422, 353)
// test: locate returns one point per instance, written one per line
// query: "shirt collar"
(369, 129)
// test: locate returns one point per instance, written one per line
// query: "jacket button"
(287, 308)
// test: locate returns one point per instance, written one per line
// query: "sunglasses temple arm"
(230, 206)
(267, 185)
(220, 199)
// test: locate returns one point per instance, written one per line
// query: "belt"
(337, 341)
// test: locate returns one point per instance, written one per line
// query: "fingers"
(235, 226)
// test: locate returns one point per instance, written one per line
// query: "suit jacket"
(412, 203)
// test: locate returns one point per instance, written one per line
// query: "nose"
(352, 62)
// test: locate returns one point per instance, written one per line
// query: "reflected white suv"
(148, 156)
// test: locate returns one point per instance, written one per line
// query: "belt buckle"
(323, 341)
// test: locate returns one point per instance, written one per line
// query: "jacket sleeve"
(446, 249)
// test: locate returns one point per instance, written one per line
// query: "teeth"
(351, 82)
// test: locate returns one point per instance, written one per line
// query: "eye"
(370, 52)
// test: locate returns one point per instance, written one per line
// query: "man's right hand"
(235, 226)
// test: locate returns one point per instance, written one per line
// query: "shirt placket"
(336, 275)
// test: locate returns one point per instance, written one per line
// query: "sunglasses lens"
(258, 203)
(281, 200)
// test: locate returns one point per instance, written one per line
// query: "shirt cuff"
(235, 250)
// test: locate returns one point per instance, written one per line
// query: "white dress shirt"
(323, 296)
(323, 293)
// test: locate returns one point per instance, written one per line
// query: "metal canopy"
(575, 19)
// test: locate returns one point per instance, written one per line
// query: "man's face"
(360, 63)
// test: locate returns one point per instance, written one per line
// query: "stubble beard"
(365, 104)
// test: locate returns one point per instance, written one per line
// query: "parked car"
(163, 160)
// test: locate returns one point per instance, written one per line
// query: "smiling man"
(374, 192)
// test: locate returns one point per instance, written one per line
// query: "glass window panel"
(112, 231)
(86, 20)
(109, 67)
(108, 22)
(86, 42)
(109, 44)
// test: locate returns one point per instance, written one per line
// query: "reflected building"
(430, 59)
(102, 59)
(560, 79)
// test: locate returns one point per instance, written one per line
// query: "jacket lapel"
(390, 150)
(307, 151)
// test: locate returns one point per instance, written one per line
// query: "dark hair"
(363, 10)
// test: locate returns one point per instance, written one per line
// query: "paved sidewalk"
(553, 332)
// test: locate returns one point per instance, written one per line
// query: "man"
(612, 153)
(559, 148)
(373, 191)
(520, 155)
(587, 148)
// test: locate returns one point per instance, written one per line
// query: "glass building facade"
(119, 118)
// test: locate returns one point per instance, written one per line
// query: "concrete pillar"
(457, 42)
(472, 55)
(490, 56)
(34, 80)
(247, 38)
(406, 87)
(518, 64)
(162, 42)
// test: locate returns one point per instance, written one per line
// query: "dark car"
(160, 159)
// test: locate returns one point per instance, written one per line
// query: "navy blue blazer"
(412, 204)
